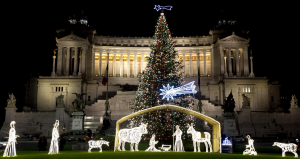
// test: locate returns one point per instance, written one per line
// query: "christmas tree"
(162, 69)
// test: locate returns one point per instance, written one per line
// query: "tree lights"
(287, 148)
(133, 136)
(251, 150)
(97, 144)
(197, 138)
(10, 149)
(54, 141)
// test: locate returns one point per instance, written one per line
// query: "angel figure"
(54, 141)
(10, 149)
(178, 141)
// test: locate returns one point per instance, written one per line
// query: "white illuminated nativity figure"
(226, 142)
(197, 138)
(251, 150)
(290, 147)
(10, 149)
(97, 144)
(152, 144)
(54, 141)
(133, 136)
(178, 142)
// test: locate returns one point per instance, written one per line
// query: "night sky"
(29, 31)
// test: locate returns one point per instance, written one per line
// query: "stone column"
(222, 60)
(246, 65)
(225, 74)
(183, 63)
(198, 64)
(142, 62)
(229, 63)
(238, 73)
(252, 73)
(135, 65)
(128, 65)
(80, 62)
(75, 62)
(204, 57)
(100, 63)
(63, 71)
(114, 65)
(53, 68)
(59, 61)
(191, 65)
(68, 62)
(121, 65)
(83, 56)
(212, 61)
(93, 62)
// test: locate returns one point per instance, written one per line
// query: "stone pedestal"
(229, 124)
(77, 123)
(245, 122)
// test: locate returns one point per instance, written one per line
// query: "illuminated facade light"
(251, 150)
(10, 149)
(287, 148)
(54, 141)
(97, 144)
(152, 144)
(168, 92)
(133, 136)
(226, 142)
(178, 143)
(196, 136)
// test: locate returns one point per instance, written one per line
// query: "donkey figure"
(196, 136)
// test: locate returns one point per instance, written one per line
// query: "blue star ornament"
(168, 92)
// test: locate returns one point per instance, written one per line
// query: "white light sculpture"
(165, 147)
(133, 136)
(54, 141)
(178, 143)
(152, 144)
(97, 144)
(251, 150)
(226, 142)
(168, 92)
(10, 149)
(196, 136)
(158, 7)
(287, 148)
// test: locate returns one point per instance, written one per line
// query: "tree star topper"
(168, 92)
(158, 7)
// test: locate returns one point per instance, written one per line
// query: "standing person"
(178, 142)
(62, 142)
(54, 143)
(43, 143)
(40, 144)
(10, 149)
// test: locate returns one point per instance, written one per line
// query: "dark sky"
(28, 33)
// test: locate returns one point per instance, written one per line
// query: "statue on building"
(60, 101)
(294, 102)
(246, 101)
(78, 102)
(11, 100)
(229, 104)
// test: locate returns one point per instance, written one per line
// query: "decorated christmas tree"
(163, 68)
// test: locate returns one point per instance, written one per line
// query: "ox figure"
(290, 147)
(197, 138)
(133, 136)
(97, 144)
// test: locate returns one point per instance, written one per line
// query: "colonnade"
(234, 61)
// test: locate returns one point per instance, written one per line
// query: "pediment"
(71, 37)
(233, 38)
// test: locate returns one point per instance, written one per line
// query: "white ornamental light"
(166, 147)
(97, 144)
(251, 150)
(133, 136)
(290, 147)
(178, 143)
(197, 138)
(10, 149)
(169, 92)
(226, 142)
(54, 141)
(152, 144)
(158, 7)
